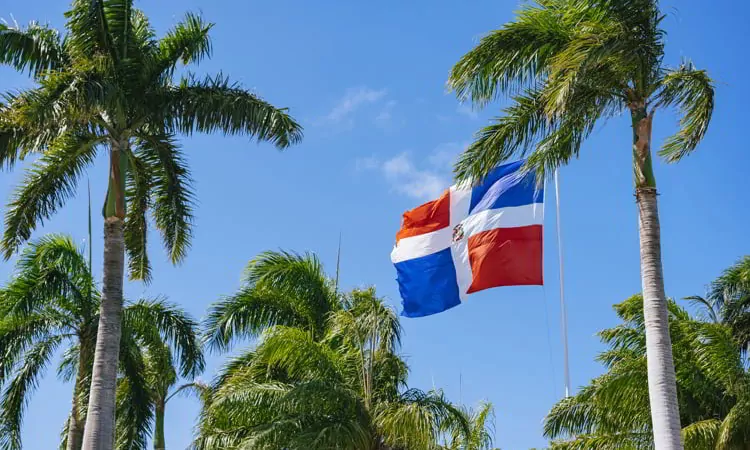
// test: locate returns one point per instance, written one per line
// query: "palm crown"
(567, 64)
(52, 301)
(110, 83)
(325, 372)
(613, 410)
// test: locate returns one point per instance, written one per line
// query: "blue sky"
(367, 80)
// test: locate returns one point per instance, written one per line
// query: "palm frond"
(248, 313)
(705, 307)
(701, 435)
(187, 42)
(511, 58)
(18, 335)
(68, 367)
(301, 278)
(616, 441)
(172, 193)
(295, 352)
(732, 287)
(514, 132)
(735, 429)
(89, 30)
(692, 91)
(417, 419)
(118, 15)
(196, 388)
(134, 405)
(175, 327)
(16, 394)
(217, 104)
(50, 182)
(368, 319)
(138, 195)
(35, 49)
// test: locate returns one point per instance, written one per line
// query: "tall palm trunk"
(99, 433)
(75, 424)
(159, 442)
(662, 385)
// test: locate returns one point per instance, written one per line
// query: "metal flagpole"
(563, 309)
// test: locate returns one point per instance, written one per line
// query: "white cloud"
(385, 120)
(467, 111)
(444, 155)
(407, 179)
(425, 180)
(398, 166)
(353, 99)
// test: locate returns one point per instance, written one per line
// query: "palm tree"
(567, 64)
(52, 302)
(481, 430)
(278, 288)
(324, 374)
(160, 377)
(612, 412)
(728, 300)
(109, 85)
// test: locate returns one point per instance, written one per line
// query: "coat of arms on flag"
(470, 239)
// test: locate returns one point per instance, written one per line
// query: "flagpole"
(563, 309)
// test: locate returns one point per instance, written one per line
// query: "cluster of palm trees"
(325, 371)
(51, 304)
(108, 85)
(711, 364)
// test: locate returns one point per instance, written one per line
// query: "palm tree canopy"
(481, 426)
(164, 346)
(297, 392)
(325, 372)
(566, 64)
(109, 82)
(52, 301)
(729, 297)
(278, 288)
(613, 410)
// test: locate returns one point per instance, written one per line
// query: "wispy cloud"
(385, 117)
(353, 99)
(445, 154)
(425, 180)
(407, 179)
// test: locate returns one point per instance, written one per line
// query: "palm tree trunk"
(99, 433)
(662, 385)
(75, 424)
(159, 442)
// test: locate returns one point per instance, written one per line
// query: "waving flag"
(470, 239)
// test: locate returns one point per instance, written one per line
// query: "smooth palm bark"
(99, 433)
(75, 424)
(662, 384)
(159, 442)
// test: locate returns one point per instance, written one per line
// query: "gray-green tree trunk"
(99, 433)
(75, 424)
(159, 441)
(662, 384)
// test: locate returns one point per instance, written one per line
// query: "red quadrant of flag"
(506, 257)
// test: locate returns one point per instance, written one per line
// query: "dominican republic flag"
(470, 239)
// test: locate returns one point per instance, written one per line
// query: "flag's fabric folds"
(470, 239)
